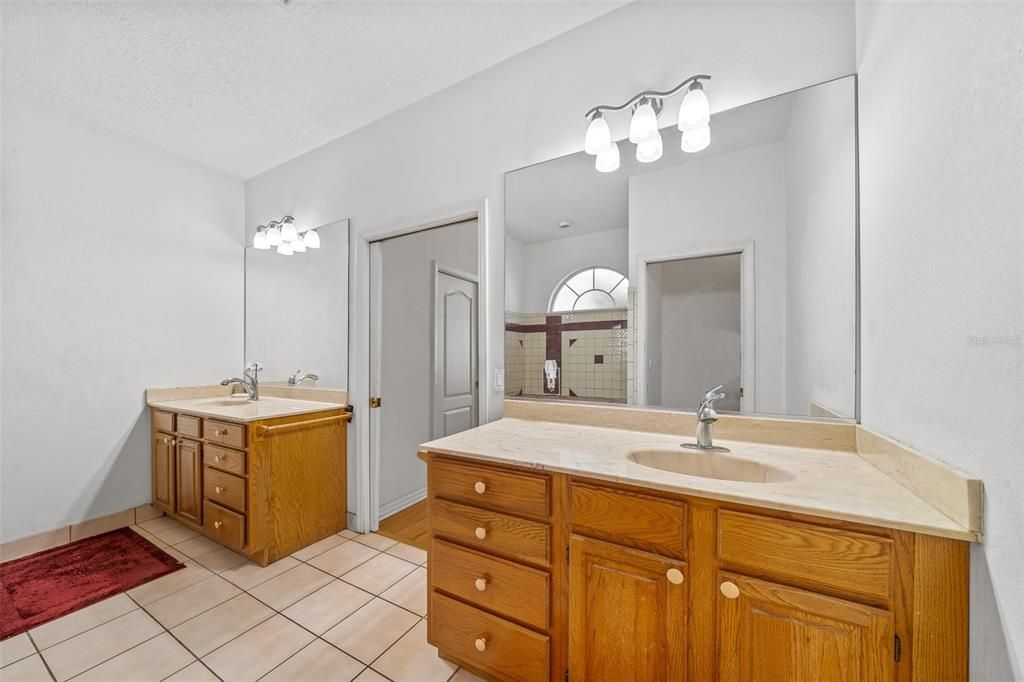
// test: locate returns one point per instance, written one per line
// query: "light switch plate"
(499, 380)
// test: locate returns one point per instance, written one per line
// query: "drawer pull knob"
(166, 441)
(729, 589)
(675, 576)
(481, 644)
(220, 432)
(217, 489)
(174, 441)
(218, 524)
(481, 584)
(480, 487)
(216, 458)
(481, 533)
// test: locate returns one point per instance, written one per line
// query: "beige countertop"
(828, 483)
(241, 409)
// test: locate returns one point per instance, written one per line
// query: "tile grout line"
(180, 643)
(39, 653)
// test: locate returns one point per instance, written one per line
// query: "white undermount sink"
(710, 465)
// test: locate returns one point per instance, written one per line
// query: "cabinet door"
(627, 614)
(163, 471)
(188, 472)
(769, 632)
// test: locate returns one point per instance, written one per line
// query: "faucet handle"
(713, 394)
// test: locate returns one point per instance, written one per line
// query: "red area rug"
(55, 582)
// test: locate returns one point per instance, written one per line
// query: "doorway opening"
(424, 362)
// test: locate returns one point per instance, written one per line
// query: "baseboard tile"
(38, 542)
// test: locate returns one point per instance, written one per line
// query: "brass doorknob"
(729, 589)
(481, 533)
(480, 487)
(675, 576)
(218, 524)
(481, 644)
(481, 584)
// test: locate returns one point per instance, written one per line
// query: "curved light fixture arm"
(653, 94)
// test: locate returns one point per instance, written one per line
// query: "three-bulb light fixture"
(694, 122)
(284, 235)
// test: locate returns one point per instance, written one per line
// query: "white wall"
(452, 148)
(407, 360)
(728, 199)
(546, 264)
(514, 274)
(122, 270)
(296, 310)
(699, 317)
(821, 264)
(942, 271)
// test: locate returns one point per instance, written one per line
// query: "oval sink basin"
(710, 465)
(228, 402)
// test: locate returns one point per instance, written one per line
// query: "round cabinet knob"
(729, 589)
(173, 441)
(481, 584)
(218, 524)
(481, 533)
(217, 489)
(216, 458)
(480, 487)
(166, 441)
(675, 576)
(481, 644)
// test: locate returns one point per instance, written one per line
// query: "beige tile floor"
(350, 607)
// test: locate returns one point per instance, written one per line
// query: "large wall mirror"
(736, 265)
(296, 310)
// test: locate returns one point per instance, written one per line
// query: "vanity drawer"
(490, 644)
(224, 433)
(225, 489)
(224, 524)
(853, 563)
(514, 537)
(188, 425)
(484, 486)
(648, 523)
(224, 459)
(163, 421)
(517, 592)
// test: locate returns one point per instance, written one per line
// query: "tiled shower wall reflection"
(589, 346)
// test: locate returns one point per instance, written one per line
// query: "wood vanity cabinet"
(264, 489)
(635, 584)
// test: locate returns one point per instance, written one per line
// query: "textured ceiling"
(244, 85)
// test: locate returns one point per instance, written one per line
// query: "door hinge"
(741, 391)
(375, 401)
(896, 648)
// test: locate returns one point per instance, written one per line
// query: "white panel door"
(455, 355)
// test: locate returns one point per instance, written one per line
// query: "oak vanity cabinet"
(536, 575)
(264, 489)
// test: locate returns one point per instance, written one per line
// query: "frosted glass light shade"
(285, 249)
(696, 140)
(289, 233)
(298, 246)
(608, 160)
(694, 112)
(599, 135)
(311, 239)
(643, 127)
(650, 151)
(274, 236)
(259, 240)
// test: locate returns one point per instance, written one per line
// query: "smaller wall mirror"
(296, 310)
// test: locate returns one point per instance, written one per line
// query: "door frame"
(364, 443)
(440, 269)
(748, 314)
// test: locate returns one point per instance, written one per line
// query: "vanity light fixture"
(285, 236)
(311, 238)
(694, 122)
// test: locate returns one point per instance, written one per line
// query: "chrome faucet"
(706, 418)
(298, 377)
(250, 380)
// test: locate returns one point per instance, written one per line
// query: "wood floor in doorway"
(408, 526)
